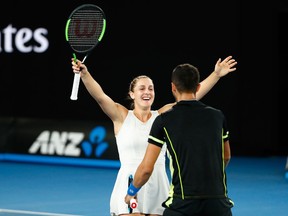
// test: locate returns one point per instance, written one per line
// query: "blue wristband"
(132, 190)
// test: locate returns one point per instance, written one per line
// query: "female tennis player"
(132, 127)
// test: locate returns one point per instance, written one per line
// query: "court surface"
(256, 185)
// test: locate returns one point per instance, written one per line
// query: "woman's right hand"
(78, 67)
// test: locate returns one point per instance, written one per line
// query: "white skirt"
(150, 197)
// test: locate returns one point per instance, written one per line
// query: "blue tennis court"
(256, 185)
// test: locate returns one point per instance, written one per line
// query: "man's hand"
(128, 199)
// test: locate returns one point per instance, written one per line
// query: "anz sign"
(70, 143)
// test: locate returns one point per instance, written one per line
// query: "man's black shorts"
(199, 207)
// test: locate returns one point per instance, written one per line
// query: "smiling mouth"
(146, 98)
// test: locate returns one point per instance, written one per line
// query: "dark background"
(152, 37)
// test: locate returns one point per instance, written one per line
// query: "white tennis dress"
(132, 141)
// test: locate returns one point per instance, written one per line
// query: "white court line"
(34, 213)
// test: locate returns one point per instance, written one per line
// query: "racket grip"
(133, 203)
(76, 82)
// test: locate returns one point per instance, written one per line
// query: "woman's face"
(143, 93)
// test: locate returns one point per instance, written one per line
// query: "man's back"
(194, 137)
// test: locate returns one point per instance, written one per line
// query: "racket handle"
(133, 203)
(76, 82)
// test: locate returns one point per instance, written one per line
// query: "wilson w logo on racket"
(85, 28)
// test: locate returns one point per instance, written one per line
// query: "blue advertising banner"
(84, 143)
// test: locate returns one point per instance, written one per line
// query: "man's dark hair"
(186, 78)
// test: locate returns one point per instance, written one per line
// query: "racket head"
(85, 28)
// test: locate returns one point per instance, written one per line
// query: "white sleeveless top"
(132, 141)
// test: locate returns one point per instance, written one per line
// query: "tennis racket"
(133, 202)
(84, 29)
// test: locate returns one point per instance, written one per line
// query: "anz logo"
(70, 143)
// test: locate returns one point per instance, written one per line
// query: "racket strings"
(85, 29)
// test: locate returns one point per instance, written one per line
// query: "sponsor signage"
(86, 143)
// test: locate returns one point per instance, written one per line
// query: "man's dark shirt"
(194, 134)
